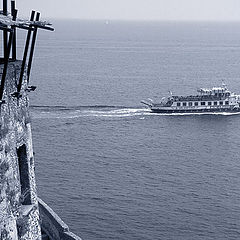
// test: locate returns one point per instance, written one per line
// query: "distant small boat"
(216, 99)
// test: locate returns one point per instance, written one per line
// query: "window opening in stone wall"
(24, 175)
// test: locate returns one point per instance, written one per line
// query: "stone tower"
(19, 212)
(22, 214)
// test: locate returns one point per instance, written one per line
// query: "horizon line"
(147, 20)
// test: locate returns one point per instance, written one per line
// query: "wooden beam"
(5, 34)
(6, 58)
(5, 7)
(44, 27)
(32, 48)
(24, 27)
(2, 27)
(25, 55)
(14, 45)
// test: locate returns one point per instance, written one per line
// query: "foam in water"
(89, 112)
(77, 112)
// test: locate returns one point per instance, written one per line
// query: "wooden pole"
(32, 48)
(6, 59)
(6, 64)
(25, 54)
(5, 34)
(14, 45)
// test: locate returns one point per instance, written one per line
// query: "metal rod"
(13, 10)
(43, 27)
(5, 65)
(32, 48)
(25, 54)
(5, 34)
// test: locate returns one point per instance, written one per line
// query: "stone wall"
(19, 214)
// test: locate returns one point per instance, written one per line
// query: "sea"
(109, 167)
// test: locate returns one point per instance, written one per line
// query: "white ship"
(216, 99)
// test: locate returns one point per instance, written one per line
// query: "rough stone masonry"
(19, 215)
(22, 215)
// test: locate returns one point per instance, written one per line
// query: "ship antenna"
(223, 84)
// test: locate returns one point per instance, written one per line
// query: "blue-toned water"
(109, 167)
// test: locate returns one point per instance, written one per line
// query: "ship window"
(196, 103)
(209, 103)
(184, 104)
(190, 104)
(221, 102)
(226, 102)
(202, 103)
(215, 103)
(178, 104)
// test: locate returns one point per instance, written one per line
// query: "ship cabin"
(216, 92)
(206, 98)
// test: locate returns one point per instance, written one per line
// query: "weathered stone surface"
(15, 132)
(19, 205)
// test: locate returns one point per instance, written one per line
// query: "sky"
(180, 10)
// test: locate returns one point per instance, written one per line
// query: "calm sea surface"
(104, 163)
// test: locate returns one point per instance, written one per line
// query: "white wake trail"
(110, 113)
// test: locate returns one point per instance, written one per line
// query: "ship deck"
(198, 98)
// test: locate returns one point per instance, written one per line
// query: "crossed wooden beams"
(9, 24)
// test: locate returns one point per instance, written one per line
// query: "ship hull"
(212, 110)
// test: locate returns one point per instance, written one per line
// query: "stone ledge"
(53, 225)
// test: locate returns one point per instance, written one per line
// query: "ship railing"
(198, 98)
